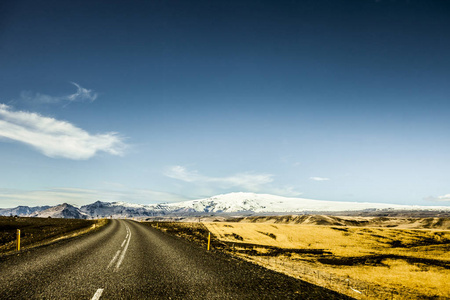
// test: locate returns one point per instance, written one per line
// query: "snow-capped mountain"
(64, 210)
(21, 210)
(120, 209)
(238, 203)
(265, 203)
(248, 203)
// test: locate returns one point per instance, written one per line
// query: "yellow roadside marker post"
(18, 239)
(209, 240)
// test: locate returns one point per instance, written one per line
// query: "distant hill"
(226, 204)
(21, 210)
(391, 222)
(64, 210)
(121, 210)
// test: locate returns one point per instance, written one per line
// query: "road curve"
(129, 260)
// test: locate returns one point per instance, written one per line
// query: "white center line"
(97, 294)
(122, 256)
(113, 260)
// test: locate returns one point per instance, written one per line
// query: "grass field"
(39, 231)
(363, 262)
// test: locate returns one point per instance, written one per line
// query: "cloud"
(319, 178)
(181, 173)
(443, 198)
(81, 95)
(55, 138)
(249, 181)
(29, 96)
(287, 191)
(76, 196)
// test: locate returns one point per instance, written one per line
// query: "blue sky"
(162, 101)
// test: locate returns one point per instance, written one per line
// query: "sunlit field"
(363, 262)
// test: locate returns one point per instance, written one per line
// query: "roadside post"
(18, 239)
(209, 240)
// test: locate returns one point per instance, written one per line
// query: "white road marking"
(113, 260)
(97, 294)
(119, 262)
(122, 256)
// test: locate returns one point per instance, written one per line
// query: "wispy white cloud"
(81, 95)
(249, 181)
(287, 191)
(28, 96)
(443, 198)
(55, 138)
(77, 196)
(319, 178)
(181, 173)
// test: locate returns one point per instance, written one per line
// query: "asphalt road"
(129, 260)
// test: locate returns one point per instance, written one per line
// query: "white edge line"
(97, 294)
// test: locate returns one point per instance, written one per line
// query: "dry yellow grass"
(413, 263)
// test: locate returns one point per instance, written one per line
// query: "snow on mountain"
(265, 203)
(61, 211)
(21, 210)
(221, 204)
(119, 209)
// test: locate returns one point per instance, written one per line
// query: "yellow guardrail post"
(209, 240)
(18, 239)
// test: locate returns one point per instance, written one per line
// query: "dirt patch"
(340, 229)
(437, 239)
(269, 234)
(377, 260)
(235, 236)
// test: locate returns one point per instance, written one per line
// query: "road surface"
(129, 260)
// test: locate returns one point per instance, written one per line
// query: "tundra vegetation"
(41, 231)
(366, 258)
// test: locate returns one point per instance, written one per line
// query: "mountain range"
(232, 203)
